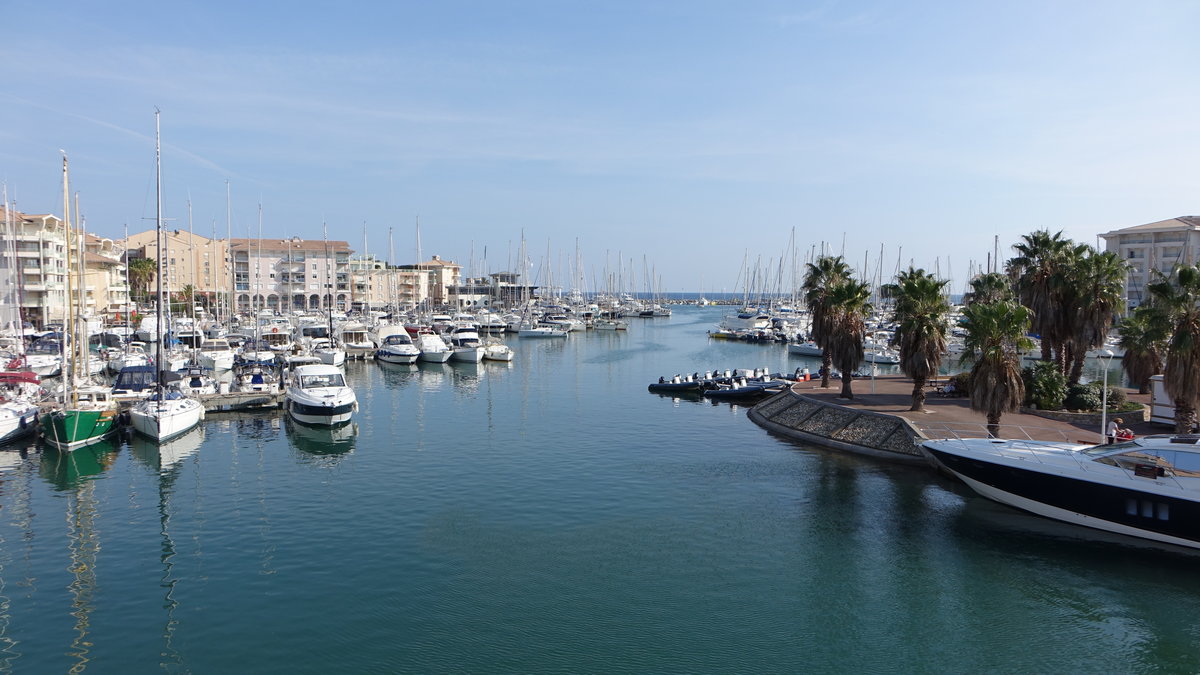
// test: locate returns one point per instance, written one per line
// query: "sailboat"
(87, 413)
(165, 414)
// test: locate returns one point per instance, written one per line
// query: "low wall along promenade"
(806, 419)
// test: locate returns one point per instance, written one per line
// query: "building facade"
(290, 274)
(191, 260)
(36, 272)
(105, 282)
(1153, 248)
(379, 286)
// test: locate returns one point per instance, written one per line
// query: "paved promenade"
(892, 395)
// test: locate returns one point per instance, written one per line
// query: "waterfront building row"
(224, 275)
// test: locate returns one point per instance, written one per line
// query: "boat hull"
(72, 429)
(323, 415)
(18, 423)
(1148, 514)
(391, 356)
(162, 421)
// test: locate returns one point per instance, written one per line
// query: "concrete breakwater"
(806, 419)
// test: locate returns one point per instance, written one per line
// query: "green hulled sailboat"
(87, 413)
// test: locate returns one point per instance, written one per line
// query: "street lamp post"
(1105, 363)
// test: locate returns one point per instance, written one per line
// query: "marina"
(549, 514)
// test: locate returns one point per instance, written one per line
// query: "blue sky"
(692, 135)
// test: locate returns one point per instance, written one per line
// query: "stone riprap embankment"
(806, 419)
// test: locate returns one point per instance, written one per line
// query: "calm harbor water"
(550, 515)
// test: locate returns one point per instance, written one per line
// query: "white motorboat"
(497, 351)
(216, 354)
(433, 348)
(529, 331)
(881, 356)
(1147, 487)
(353, 335)
(398, 348)
(465, 344)
(807, 348)
(318, 394)
(326, 350)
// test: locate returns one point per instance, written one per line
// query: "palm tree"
(820, 277)
(849, 309)
(1176, 300)
(1039, 256)
(994, 341)
(1144, 340)
(921, 309)
(1097, 283)
(990, 287)
(141, 273)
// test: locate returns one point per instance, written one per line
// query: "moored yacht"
(465, 344)
(1147, 487)
(318, 394)
(216, 354)
(433, 348)
(165, 414)
(398, 348)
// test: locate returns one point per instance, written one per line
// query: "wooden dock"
(240, 401)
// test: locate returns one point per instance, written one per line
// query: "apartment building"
(33, 270)
(377, 285)
(191, 260)
(287, 274)
(1154, 247)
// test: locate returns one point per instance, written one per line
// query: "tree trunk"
(1185, 417)
(847, 392)
(1047, 354)
(918, 395)
(1076, 367)
(826, 367)
(993, 425)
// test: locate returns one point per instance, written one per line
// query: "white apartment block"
(290, 274)
(1154, 247)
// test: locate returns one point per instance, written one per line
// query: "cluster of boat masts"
(160, 392)
(794, 327)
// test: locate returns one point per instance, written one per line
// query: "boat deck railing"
(1012, 432)
(1027, 443)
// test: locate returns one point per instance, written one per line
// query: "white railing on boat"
(934, 430)
(1025, 443)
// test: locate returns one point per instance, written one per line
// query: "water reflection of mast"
(83, 544)
(165, 480)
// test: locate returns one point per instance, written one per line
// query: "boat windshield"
(327, 380)
(1149, 460)
(1111, 449)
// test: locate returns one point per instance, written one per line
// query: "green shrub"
(1116, 395)
(1082, 397)
(1047, 387)
(962, 381)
